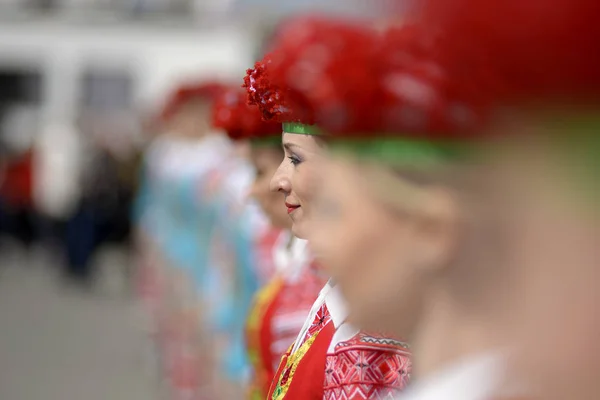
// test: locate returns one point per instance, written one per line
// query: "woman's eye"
(294, 160)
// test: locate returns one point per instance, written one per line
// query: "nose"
(280, 182)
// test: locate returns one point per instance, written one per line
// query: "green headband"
(268, 141)
(391, 150)
(577, 137)
(301, 129)
(396, 151)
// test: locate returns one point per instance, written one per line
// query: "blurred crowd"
(395, 209)
(66, 188)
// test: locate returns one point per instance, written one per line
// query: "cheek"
(305, 184)
(363, 264)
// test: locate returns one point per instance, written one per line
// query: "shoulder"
(375, 352)
(368, 365)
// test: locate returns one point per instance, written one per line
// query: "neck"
(290, 242)
(448, 333)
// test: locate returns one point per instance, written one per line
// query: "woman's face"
(266, 160)
(371, 251)
(296, 177)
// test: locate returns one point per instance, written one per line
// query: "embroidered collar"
(311, 316)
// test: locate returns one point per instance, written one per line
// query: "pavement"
(63, 343)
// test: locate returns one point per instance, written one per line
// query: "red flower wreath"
(240, 120)
(187, 93)
(290, 84)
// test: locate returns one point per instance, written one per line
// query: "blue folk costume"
(233, 279)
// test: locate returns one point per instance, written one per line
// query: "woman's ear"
(436, 229)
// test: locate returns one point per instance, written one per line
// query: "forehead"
(266, 155)
(294, 141)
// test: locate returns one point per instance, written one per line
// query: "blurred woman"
(330, 357)
(398, 197)
(281, 305)
(404, 201)
(467, 245)
(173, 216)
(545, 177)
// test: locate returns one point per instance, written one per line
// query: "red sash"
(301, 375)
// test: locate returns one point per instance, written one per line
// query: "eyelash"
(294, 160)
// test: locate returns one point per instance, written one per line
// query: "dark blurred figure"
(16, 213)
(18, 218)
(103, 213)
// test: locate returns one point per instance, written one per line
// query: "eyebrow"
(290, 146)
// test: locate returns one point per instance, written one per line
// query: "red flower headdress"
(240, 120)
(544, 52)
(187, 93)
(428, 92)
(291, 85)
(545, 55)
(350, 80)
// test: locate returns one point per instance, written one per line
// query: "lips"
(291, 207)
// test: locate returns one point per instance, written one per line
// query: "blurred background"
(81, 85)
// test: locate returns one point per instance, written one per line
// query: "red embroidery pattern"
(322, 318)
(366, 367)
(294, 304)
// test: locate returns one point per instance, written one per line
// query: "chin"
(298, 230)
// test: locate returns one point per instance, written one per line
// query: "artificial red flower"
(239, 119)
(290, 84)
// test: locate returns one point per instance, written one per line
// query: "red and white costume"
(280, 309)
(330, 359)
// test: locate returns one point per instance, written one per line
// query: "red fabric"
(239, 119)
(306, 383)
(280, 320)
(17, 188)
(297, 298)
(260, 339)
(545, 52)
(366, 367)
